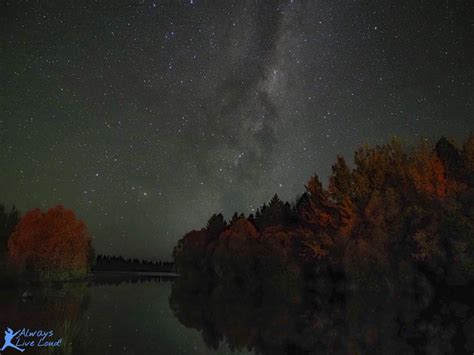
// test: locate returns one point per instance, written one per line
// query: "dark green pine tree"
(216, 225)
(276, 213)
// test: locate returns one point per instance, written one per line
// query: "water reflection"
(60, 308)
(110, 278)
(106, 315)
(153, 315)
(332, 318)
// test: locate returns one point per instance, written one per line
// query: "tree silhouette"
(276, 213)
(468, 160)
(340, 182)
(428, 174)
(449, 155)
(216, 225)
(320, 210)
(8, 221)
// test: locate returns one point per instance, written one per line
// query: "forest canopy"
(395, 209)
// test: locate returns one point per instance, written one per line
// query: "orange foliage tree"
(428, 173)
(52, 244)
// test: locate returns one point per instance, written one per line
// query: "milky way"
(146, 117)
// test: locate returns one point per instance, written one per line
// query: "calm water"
(177, 317)
(129, 318)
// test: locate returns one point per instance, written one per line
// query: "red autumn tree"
(52, 244)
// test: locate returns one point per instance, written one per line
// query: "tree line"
(119, 263)
(396, 209)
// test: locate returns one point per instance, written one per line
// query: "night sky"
(146, 117)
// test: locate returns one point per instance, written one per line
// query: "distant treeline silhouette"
(119, 263)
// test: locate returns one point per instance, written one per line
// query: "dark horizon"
(147, 117)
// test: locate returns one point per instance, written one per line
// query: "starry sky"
(146, 117)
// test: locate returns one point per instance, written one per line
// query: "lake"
(150, 315)
(129, 318)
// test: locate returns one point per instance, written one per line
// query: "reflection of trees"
(116, 279)
(60, 307)
(400, 317)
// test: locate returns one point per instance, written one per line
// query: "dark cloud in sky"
(146, 117)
